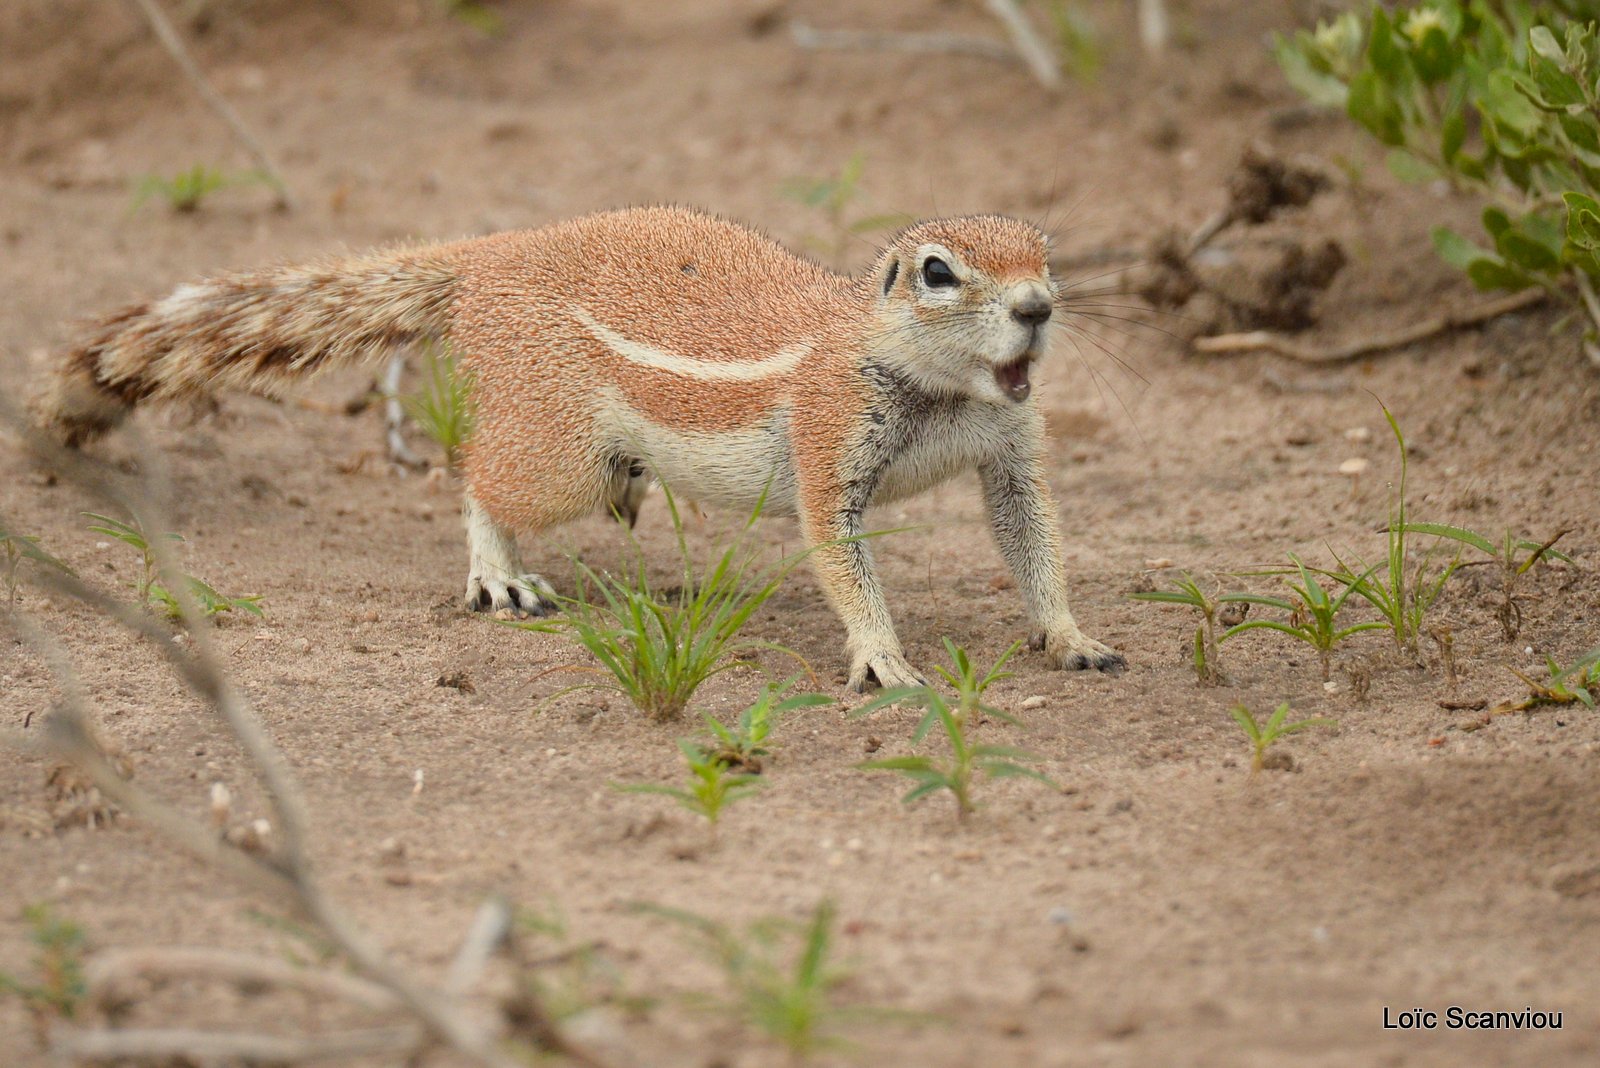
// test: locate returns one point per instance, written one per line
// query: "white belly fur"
(730, 468)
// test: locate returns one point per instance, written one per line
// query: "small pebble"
(1059, 916)
(1036, 701)
(1358, 433)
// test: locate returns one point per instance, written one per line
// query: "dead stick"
(168, 36)
(1034, 52)
(166, 1044)
(107, 974)
(805, 36)
(1265, 341)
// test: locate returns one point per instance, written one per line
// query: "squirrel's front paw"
(888, 670)
(528, 595)
(1077, 652)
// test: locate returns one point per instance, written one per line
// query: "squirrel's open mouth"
(1012, 378)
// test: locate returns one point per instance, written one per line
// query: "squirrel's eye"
(936, 273)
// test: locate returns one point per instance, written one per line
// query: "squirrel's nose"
(1032, 309)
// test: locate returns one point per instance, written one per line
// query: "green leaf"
(1489, 274)
(1583, 220)
(1410, 167)
(903, 763)
(1455, 533)
(1457, 251)
(1370, 105)
(1243, 717)
(1382, 50)
(1433, 57)
(1452, 135)
(1505, 104)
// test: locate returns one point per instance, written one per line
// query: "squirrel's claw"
(889, 670)
(1079, 653)
(529, 595)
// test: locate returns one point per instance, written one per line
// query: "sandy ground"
(1162, 908)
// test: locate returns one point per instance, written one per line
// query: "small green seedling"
(658, 648)
(1262, 738)
(153, 593)
(966, 759)
(60, 988)
(1511, 556)
(184, 191)
(834, 197)
(1078, 39)
(744, 747)
(20, 548)
(564, 977)
(779, 975)
(477, 15)
(1207, 657)
(712, 786)
(1313, 615)
(1402, 588)
(1578, 683)
(444, 407)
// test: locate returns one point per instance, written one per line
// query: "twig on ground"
(168, 36)
(108, 974)
(805, 36)
(165, 1045)
(1278, 344)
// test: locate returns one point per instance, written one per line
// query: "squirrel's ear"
(890, 275)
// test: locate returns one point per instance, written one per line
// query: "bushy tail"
(259, 331)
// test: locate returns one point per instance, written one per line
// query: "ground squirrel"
(668, 343)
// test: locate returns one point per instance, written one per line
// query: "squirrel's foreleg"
(1023, 516)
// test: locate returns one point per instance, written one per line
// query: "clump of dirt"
(1250, 283)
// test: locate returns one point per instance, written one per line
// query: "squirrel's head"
(963, 305)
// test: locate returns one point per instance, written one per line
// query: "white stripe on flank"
(781, 362)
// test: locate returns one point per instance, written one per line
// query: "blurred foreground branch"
(438, 1016)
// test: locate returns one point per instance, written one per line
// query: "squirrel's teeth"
(1013, 379)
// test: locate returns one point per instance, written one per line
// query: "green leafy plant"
(779, 975)
(20, 548)
(743, 747)
(1207, 657)
(658, 647)
(1277, 726)
(1501, 99)
(444, 406)
(153, 593)
(967, 760)
(712, 785)
(1313, 614)
(1512, 557)
(185, 190)
(835, 198)
(60, 987)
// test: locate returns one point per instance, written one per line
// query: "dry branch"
(168, 1044)
(958, 44)
(287, 875)
(109, 975)
(1038, 55)
(1266, 341)
(168, 36)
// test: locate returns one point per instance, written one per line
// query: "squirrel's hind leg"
(495, 578)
